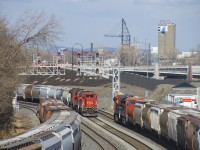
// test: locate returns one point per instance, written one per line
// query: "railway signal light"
(97, 63)
(55, 70)
(78, 55)
(97, 55)
(79, 60)
(78, 71)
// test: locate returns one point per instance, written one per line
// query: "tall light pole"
(148, 60)
(73, 51)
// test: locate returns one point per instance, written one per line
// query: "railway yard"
(65, 87)
(102, 132)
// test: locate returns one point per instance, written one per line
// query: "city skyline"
(87, 21)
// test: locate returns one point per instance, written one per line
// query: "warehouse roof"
(184, 86)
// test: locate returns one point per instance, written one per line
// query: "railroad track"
(104, 113)
(31, 106)
(132, 141)
(97, 138)
(163, 142)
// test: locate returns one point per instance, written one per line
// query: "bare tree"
(15, 47)
(127, 55)
(170, 58)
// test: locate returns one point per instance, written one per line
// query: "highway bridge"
(149, 71)
(155, 71)
(165, 71)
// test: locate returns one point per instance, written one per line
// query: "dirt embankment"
(23, 121)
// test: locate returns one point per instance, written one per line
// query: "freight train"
(83, 101)
(60, 129)
(179, 124)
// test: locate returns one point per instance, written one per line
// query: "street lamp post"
(148, 60)
(73, 51)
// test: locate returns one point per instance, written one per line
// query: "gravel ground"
(25, 120)
(88, 144)
(134, 134)
(120, 144)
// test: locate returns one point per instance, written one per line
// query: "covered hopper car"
(178, 124)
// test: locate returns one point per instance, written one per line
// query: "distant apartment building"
(166, 39)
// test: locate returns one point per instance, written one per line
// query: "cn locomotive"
(178, 124)
(84, 101)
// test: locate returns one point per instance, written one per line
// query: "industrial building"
(166, 39)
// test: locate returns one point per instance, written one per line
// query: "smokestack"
(91, 47)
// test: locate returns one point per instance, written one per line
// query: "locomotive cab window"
(89, 96)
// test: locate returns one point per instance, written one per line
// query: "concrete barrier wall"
(144, 82)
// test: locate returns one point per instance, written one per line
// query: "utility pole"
(148, 60)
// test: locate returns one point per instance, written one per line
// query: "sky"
(87, 21)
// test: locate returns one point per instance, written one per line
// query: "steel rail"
(130, 140)
(95, 136)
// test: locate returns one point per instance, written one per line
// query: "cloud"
(74, 1)
(167, 2)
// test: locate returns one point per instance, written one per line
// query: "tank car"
(20, 91)
(66, 96)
